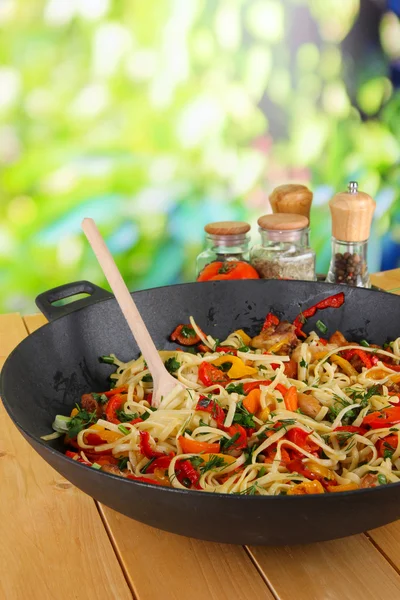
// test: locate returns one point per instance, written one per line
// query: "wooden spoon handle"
(124, 299)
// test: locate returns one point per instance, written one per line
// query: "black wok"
(48, 371)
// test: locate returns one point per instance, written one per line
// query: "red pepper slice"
(77, 458)
(241, 441)
(300, 437)
(365, 358)
(334, 301)
(203, 348)
(393, 367)
(383, 418)
(134, 421)
(212, 407)
(185, 335)
(119, 390)
(185, 470)
(281, 388)
(145, 447)
(351, 429)
(144, 480)
(210, 375)
(226, 350)
(162, 462)
(270, 320)
(115, 403)
(253, 385)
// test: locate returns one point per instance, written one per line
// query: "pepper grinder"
(352, 213)
(291, 198)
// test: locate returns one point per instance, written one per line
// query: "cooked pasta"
(283, 412)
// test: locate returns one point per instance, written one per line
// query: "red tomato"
(185, 335)
(115, 403)
(388, 443)
(241, 441)
(210, 375)
(228, 270)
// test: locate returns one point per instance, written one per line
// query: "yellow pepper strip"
(108, 436)
(263, 414)
(245, 338)
(238, 369)
(344, 365)
(74, 412)
(376, 374)
(319, 355)
(346, 487)
(318, 469)
(307, 487)
(276, 347)
(228, 459)
(395, 378)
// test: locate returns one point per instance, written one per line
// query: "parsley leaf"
(187, 331)
(81, 420)
(147, 378)
(242, 416)
(172, 364)
(227, 443)
(101, 398)
(126, 417)
(382, 479)
(303, 363)
(232, 388)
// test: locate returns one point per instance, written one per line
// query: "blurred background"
(157, 117)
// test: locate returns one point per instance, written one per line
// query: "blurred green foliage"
(156, 117)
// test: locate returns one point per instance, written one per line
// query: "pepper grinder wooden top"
(291, 198)
(352, 213)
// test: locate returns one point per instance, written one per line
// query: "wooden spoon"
(163, 382)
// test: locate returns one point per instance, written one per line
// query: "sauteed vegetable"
(284, 412)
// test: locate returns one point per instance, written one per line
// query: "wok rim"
(182, 492)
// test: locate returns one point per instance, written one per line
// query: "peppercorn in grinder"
(352, 213)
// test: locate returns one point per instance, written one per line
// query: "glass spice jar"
(352, 213)
(284, 252)
(226, 255)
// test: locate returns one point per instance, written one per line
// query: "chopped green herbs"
(215, 462)
(96, 466)
(172, 365)
(124, 429)
(126, 417)
(364, 343)
(244, 349)
(101, 398)
(123, 463)
(146, 466)
(262, 472)
(225, 366)
(321, 326)
(232, 388)
(227, 443)
(187, 332)
(147, 378)
(382, 479)
(196, 461)
(80, 421)
(242, 416)
(303, 363)
(109, 360)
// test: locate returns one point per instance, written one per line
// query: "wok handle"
(45, 301)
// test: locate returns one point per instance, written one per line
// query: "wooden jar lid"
(292, 198)
(283, 222)
(227, 228)
(352, 213)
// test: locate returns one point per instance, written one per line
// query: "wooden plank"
(387, 280)
(387, 539)
(53, 541)
(12, 331)
(349, 569)
(182, 567)
(33, 322)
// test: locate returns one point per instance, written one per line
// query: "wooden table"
(57, 543)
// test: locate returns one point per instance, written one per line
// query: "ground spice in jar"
(283, 252)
